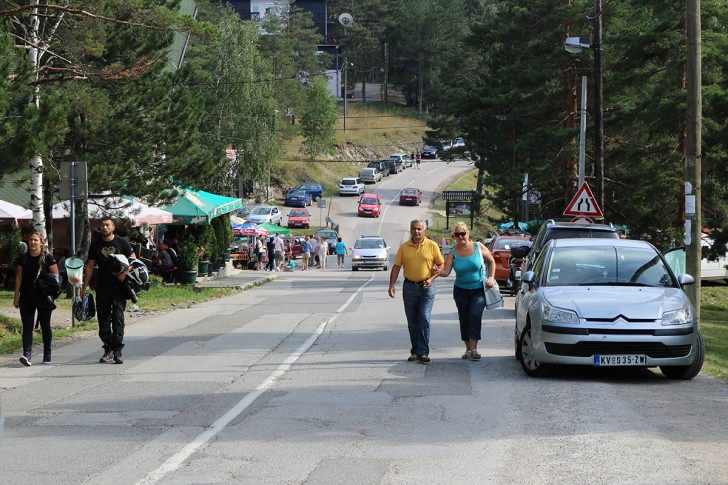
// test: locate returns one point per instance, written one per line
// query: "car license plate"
(619, 360)
(517, 274)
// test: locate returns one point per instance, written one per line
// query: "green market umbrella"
(272, 229)
(190, 208)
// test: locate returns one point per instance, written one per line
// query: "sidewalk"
(239, 278)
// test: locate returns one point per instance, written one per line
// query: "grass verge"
(713, 324)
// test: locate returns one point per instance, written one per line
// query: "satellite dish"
(346, 19)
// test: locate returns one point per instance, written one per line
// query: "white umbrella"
(12, 212)
(117, 207)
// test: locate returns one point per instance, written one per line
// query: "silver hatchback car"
(370, 252)
(606, 302)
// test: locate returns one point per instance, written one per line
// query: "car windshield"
(369, 201)
(327, 234)
(297, 193)
(607, 265)
(409, 192)
(507, 244)
(258, 211)
(348, 182)
(369, 244)
(298, 214)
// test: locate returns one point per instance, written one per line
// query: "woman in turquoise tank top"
(467, 260)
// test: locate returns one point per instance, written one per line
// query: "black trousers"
(110, 306)
(28, 307)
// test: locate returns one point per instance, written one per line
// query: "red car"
(369, 205)
(500, 247)
(410, 196)
(299, 218)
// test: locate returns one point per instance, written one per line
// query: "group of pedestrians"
(421, 261)
(109, 286)
(314, 252)
(417, 157)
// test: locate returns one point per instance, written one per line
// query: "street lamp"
(574, 45)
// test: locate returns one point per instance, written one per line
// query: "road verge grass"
(714, 325)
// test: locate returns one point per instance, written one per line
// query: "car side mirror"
(685, 279)
(529, 277)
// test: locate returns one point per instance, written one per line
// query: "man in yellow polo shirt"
(422, 262)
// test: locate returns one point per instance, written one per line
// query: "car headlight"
(558, 315)
(678, 317)
(356, 257)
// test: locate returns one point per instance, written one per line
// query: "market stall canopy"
(272, 229)
(249, 229)
(117, 208)
(199, 207)
(10, 213)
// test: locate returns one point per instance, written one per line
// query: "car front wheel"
(530, 365)
(687, 372)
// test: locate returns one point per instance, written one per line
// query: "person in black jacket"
(31, 300)
(111, 290)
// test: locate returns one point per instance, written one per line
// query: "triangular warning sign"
(583, 203)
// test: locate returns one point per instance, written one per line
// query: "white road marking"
(176, 460)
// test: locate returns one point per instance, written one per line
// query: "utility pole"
(346, 86)
(693, 154)
(386, 69)
(598, 102)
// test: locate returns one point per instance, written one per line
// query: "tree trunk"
(36, 163)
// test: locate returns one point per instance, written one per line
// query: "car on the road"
(297, 198)
(265, 213)
(429, 152)
(299, 218)
(369, 206)
(297, 242)
(404, 158)
(395, 166)
(331, 237)
(369, 174)
(381, 166)
(604, 303)
(552, 229)
(351, 186)
(370, 252)
(312, 188)
(500, 248)
(410, 196)
(710, 270)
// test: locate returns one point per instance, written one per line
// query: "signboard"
(583, 204)
(73, 173)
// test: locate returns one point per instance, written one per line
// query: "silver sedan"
(606, 302)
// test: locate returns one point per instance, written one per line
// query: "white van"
(370, 175)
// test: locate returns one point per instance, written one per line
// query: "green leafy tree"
(318, 123)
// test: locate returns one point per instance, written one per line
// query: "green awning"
(200, 207)
(222, 204)
(272, 229)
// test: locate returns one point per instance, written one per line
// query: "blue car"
(313, 189)
(298, 198)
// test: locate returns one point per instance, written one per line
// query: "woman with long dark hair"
(31, 300)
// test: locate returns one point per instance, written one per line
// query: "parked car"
(369, 174)
(299, 218)
(351, 186)
(606, 302)
(369, 206)
(410, 196)
(715, 270)
(265, 213)
(298, 198)
(500, 248)
(331, 237)
(404, 158)
(370, 252)
(381, 166)
(297, 241)
(312, 188)
(429, 152)
(395, 166)
(241, 211)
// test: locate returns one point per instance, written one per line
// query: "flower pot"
(203, 267)
(186, 277)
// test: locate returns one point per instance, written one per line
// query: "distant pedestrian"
(259, 253)
(271, 247)
(418, 159)
(111, 290)
(314, 251)
(280, 251)
(321, 250)
(306, 248)
(340, 252)
(29, 300)
(422, 262)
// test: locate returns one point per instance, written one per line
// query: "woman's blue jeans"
(471, 304)
(418, 302)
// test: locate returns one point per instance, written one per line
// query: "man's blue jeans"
(418, 302)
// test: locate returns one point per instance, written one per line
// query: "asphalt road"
(305, 380)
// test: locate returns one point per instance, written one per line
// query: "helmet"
(118, 263)
(138, 275)
(84, 309)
